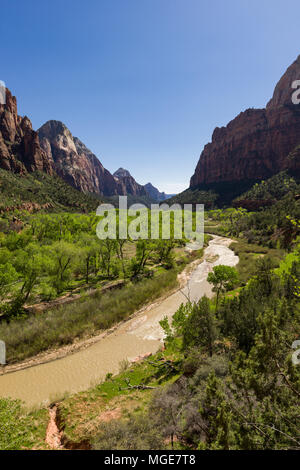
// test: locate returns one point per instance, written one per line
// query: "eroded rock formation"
(74, 162)
(257, 143)
(20, 149)
(127, 184)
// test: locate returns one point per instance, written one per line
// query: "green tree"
(200, 327)
(164, 249)
(61, 257)
(223, 279)
(216, 413)
(120, 243)
(30, 263)
(144, 250)
(8, 275)
(107, 249)
(89, 248)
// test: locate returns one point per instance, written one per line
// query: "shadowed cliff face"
(20, 149)
(257, 143)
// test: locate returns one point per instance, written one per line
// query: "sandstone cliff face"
(74, 162)
(257, 143)
(54, 150)
(127, 185)
(20, 149)
(78, 166)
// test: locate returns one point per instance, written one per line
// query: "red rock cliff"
(257, 143)
(20, 149)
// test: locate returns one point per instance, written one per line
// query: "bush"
(139, 433)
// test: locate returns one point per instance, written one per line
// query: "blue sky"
(143, 83)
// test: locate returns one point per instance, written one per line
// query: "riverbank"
(141, 334)
(83, 318)
(79, 345)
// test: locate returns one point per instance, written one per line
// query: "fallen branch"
(163, 364)
(136, 387)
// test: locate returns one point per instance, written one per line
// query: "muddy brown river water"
(44, 383)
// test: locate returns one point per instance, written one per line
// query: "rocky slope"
(20, 149)
(126, 184)
(35, 191)
(155, 194)
(73, 162)
(54, 150)
(256, 144)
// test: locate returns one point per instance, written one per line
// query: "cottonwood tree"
(120, 243)
(144, 250)
(223, 279)
(107, 248)
(89, 248)
(8, 275)
(61, 257)
(30, 263)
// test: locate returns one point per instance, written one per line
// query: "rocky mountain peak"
(74, 162)
(155, 194)
(122, 173)
(283, 90)
(80, 167)
(20, 149)
(57, 131)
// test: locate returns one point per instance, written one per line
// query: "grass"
(80, 413)
(84, 317)
(248, 254)
(215, 230)
(20, 429)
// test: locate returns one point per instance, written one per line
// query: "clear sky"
(143, 83)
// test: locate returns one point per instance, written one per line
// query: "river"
(41, 384)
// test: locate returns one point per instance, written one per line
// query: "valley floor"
(41, 384)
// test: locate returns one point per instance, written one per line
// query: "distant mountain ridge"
(127, 184)
(155, 194)
(142, 190)
(55, 151)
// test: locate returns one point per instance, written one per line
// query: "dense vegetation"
(269, 191)
(57, 265)
(225, 380)
(37, 190)
(272, 227)
(26, 337)
(20, 429)
(236, 386)
(195, 196)
(57, 253)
